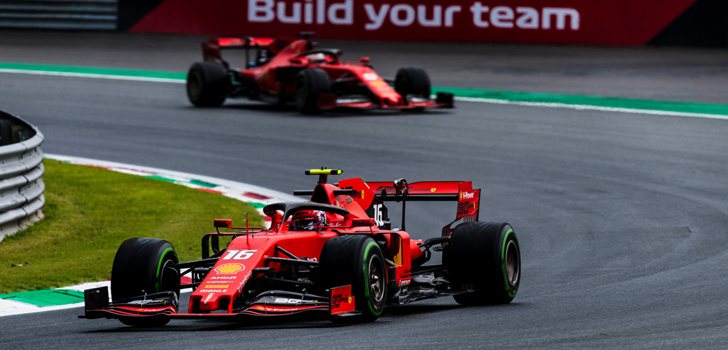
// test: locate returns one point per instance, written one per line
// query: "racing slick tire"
(484, 262)
(356, 260)
(144, 266)
(412, 81)
(312, 82)
(208, 84)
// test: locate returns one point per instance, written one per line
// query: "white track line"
(592, 108)
(93, 76)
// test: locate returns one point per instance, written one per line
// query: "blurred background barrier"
(59, 14)
(21, 168)
(571, 22)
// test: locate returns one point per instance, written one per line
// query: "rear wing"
(370, 196)
(373, 192)
(468, 198)
(211, 49)
(242, 43)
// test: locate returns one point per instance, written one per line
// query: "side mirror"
(223, 223)
(363, 222)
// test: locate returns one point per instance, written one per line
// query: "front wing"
(340, 302)
(442, 100)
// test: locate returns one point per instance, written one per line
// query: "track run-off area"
(622, 217)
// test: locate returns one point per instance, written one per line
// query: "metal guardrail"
(21, 168)
(59, 14)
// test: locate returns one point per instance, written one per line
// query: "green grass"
(90, 211)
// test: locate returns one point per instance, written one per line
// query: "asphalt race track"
(622, 218)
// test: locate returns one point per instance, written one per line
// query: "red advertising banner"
(591, 22)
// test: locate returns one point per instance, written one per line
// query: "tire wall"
(21, 168)
(577, 22)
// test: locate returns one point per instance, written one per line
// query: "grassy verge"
(89, 212)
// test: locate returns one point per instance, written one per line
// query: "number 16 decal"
(233, 254)
(378, 216)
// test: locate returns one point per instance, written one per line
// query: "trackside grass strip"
(90, 211)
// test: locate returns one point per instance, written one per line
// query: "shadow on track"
(287, 111)
(300, 322)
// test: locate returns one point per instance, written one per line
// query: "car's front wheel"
(412, 81)
(358, 261)
(312, 82)
(144, 266)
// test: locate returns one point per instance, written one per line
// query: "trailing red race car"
(335, 254)
(315, 80)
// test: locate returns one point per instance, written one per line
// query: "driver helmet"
(317, 57)
(308, 220)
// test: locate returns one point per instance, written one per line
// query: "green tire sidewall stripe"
(370, 245)
(159, 265)
(509, 289)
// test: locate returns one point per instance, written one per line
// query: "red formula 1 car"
(335, 254)
(315, 80)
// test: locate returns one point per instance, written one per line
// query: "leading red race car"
(335, 254)
(283, 71)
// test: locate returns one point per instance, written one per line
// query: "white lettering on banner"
(561, 14)
(294, 18)
(450, 13)
(478, 11)
(503, 16)
(376, 18)
(404, 15)
(397, 12)
(527, 18)
(435, 21)
(266, 11)
(341, 12)
(260, 11)
(320, 12)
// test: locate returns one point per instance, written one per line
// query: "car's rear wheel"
(208, 84)
(358, 261)
(144, 266)
(412, 81)
(484, 263)
(312, 82)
